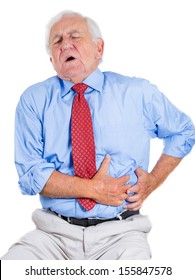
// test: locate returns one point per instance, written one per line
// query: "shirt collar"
(94, 81)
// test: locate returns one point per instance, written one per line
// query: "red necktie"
(83, 147)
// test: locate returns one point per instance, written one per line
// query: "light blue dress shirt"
(126, 113)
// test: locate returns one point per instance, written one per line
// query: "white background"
(152, 39)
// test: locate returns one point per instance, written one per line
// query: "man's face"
(74, 54)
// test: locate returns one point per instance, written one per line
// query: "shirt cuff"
(177, 146)
(34, 180)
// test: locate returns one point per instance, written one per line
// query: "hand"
(146, 183)
(107, 189)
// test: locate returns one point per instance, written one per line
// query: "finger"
(134, 189)
(123, 180)
(105, 165)
(122, 197)
(133, 198)
(124, 189)
(137, 207)
(133, 209)
(133, 206)
(139, 172)
(128, 207)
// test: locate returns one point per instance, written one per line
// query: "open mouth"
(70, 58)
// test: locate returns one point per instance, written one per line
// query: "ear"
(100, 48)
(52, 62)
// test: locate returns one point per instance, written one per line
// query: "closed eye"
(74, 34)
(57, 39)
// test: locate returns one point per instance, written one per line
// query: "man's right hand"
(107, 189)
(102, 188)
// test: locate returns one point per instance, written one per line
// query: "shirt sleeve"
(32, 169)
(167, 122)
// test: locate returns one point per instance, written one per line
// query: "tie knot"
(80, 88)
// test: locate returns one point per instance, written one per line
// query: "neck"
(78, 78)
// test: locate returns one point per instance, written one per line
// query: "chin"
(75, 77)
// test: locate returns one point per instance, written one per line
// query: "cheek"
(55, 59)
(56, 54)
(90, 55)
(55, 64)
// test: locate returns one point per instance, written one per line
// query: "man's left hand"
(146, 183)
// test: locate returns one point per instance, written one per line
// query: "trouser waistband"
(93, 222)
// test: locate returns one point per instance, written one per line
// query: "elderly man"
(82, 143)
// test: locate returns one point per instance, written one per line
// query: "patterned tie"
(83, 147)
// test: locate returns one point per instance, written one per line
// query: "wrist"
(93, 189)
(155, 178)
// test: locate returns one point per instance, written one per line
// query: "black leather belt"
(93, 222)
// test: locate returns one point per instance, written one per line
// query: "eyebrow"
(74, 31)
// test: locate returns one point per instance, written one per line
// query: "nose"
(66, 44)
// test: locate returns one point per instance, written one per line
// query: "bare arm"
(148, 182)
(102, 188)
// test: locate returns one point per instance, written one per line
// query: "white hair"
(92, 26)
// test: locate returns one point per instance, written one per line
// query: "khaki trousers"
(56, 239)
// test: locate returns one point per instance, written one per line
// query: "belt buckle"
(119, 216)
(69, 220)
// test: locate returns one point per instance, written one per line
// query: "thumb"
(105, 165)
(139, 172)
